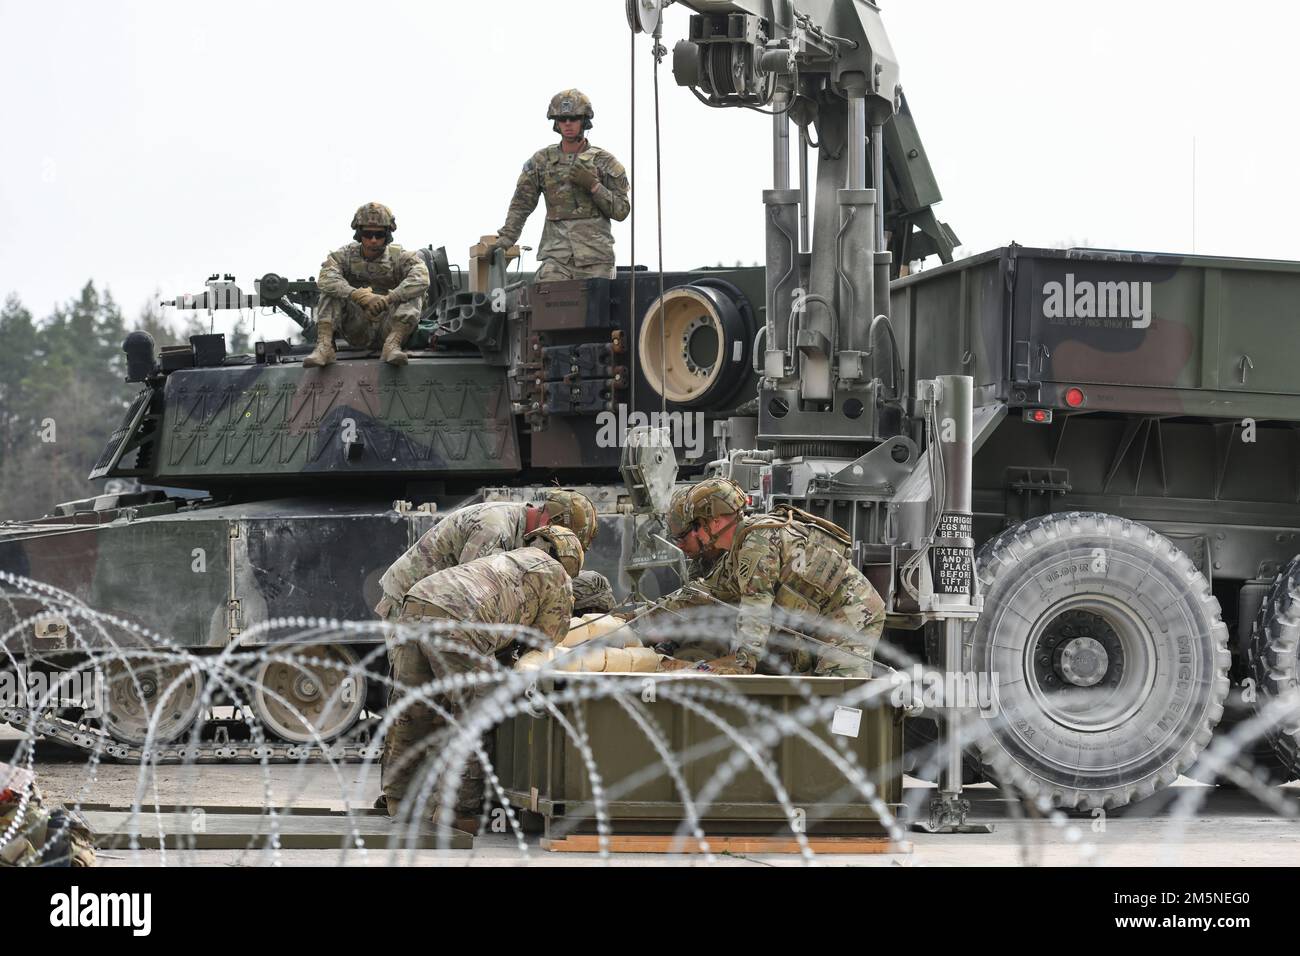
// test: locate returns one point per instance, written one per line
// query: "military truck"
(1107, 426)
(1137, 506)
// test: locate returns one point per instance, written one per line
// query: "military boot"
(324, 354)
(393, 353)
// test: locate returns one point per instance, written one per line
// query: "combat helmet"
(714, 498)
(570, 103)
(560, 543)
(572, 510)
(373, 215)
(680, 518)
(592, 592)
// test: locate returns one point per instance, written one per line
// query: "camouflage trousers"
(846, 645)
(423, 726)
(554, 270)
(363, 331)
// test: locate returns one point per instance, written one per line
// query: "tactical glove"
(376, 305)
(359, 296)
(583, 177)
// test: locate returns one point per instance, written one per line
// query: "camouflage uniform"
(711, 583)
(477, 531)
(711, 586)
(463, 536)
(41, 837)
(797, 566)
(576, 242)
(395, 271)
(525, 587)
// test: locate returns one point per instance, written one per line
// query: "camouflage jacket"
(577, 227)
(592, 592)
(396, 270)
(795, 566)
(710, 584)
(43, 837)
(462, 536)
(525, 586)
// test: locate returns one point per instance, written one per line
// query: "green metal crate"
(542, 769)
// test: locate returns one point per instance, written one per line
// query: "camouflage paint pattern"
(448, 414)
(234, 565)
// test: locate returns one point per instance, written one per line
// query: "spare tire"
(1107, 658)
(695, 343)
(1274, 639)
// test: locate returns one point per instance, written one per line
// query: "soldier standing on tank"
(527, 587)
(480, 530)
(585, 187)
(371, 291)
(792, 561)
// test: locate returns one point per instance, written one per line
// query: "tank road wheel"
(133, 691)
(1274, 639)
(1106, 655)
(329, 697)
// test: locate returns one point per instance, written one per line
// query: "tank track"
(356, 747)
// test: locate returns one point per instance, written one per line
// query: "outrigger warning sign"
(952, 555)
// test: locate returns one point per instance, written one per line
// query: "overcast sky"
(149, 144)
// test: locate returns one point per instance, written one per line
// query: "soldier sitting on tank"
(528, 587)
(790, 561)
(585, 187)
(371, 291)
(479, 530)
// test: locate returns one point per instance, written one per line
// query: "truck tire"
(1260, 759)
(1274, 638)
(1107, 658)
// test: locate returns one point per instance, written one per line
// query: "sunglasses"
(569, 119)
(371, 234)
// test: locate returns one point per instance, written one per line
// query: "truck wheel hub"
(1082, 661)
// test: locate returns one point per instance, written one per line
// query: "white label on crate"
(847, 721)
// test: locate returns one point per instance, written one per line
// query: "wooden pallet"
(660, 843)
